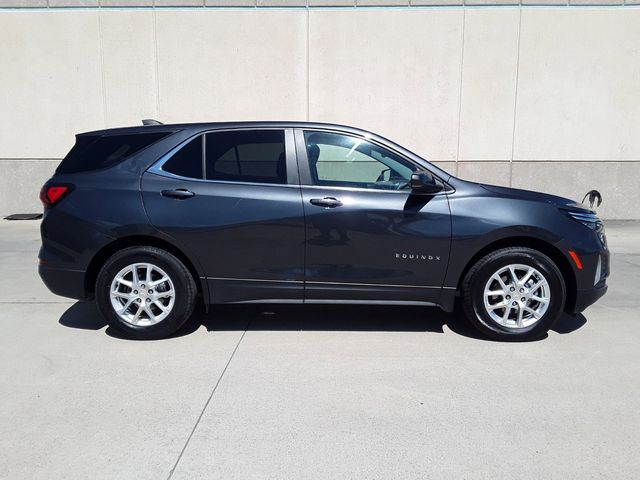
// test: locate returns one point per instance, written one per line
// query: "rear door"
(368, 236)
(233, 199)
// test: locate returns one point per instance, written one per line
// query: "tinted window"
(246, 156)
(342, 160)
(92, 152)
(186, 162)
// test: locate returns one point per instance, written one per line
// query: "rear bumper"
(66, 283)
(589, 296)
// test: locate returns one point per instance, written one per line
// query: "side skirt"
(231, 291)
(343, 302)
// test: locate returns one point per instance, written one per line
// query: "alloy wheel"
(142, 294)
(517, 296)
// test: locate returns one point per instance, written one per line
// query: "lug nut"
(135, 292)
(150, 292)
(522, 290)
(138, 300)
(522, 299)
(142, 286)
(514, 303)
(148, 300)
(508, 297)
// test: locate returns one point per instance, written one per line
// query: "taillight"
(52, 194)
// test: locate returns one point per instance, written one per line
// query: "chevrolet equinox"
(149, 219)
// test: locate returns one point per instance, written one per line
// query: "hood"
(560, 202)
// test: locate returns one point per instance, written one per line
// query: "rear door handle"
(180, 193)
(326, 202)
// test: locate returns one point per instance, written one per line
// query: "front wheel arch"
(546, 248)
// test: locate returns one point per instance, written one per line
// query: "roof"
(220, 125)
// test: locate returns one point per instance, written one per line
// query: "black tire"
(477, 277)
(183, 284)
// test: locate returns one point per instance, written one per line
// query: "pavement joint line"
(206, 404)
(36, 303)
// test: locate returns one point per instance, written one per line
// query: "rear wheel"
(514, 293)
(145, 292)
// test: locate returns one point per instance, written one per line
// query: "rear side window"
(93, 152)
(187, 162)
(256, 156)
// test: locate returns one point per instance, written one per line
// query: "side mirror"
(423, 182)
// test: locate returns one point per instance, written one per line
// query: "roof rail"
(151, 121)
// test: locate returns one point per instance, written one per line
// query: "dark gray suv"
(149, 219)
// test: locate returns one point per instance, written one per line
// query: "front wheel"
(513, 293)
(145, 292)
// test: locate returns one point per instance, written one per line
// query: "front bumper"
(589, 296)
(66, 283)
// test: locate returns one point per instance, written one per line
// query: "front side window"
(256, 156)
(344, 161)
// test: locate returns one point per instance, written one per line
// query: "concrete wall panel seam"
(308, 63)
(489, 77)
(102, 71)
(515, 100)
(460, 92)
(156, 66)
(576, 96)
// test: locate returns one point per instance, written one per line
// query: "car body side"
(106, 213)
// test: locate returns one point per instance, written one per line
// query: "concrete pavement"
(315, 392)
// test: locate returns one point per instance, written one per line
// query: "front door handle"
(326, 202)
(180, 193)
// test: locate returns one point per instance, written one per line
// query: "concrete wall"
(544, 98)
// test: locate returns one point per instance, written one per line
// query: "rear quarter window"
(94, 152)
(187, 162)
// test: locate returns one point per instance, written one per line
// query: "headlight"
(589, 219)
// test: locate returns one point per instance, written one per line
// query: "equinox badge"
(417, 256)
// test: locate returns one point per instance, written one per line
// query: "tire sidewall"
(533, 259)
(183, 286)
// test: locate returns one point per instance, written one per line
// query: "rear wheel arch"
(108, 250)
(546, 248)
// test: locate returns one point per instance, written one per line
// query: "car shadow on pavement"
(265, 317)
(83, 315)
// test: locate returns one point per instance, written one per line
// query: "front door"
(368, 237)
(232, 198)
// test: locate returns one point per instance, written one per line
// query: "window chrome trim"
(375, 190)
(162, 173)
(156, 167)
